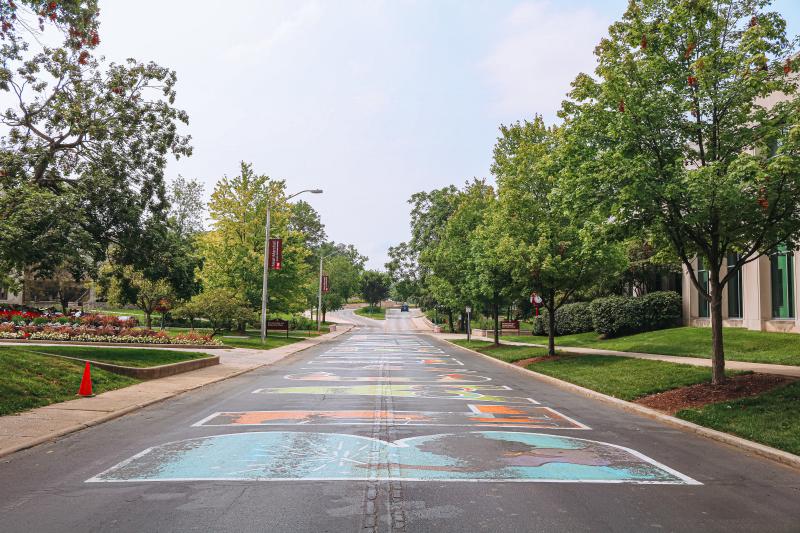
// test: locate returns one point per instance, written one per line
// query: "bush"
(570, 318)
(621, 315)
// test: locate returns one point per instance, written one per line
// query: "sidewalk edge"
(774, 454)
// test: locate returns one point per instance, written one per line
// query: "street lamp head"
(315, 191)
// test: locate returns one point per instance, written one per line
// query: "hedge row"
(570, 318)
(613, 316)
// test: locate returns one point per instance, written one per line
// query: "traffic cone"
(86, 381)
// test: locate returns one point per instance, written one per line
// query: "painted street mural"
(528, 417)
(442, 392)
(436, 378)
(473, 456)
(352, 386)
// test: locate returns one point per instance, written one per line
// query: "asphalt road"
(386, 430)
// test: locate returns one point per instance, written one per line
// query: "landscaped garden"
(36, 326)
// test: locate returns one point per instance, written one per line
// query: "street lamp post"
(319, 291)
(265, 281)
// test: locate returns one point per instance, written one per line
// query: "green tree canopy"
(692, 125)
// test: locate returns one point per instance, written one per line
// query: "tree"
(685, 139)
(234, 247)
(147, 294)
(186, 206)
(76, 19)
(375, 287)
(220, 307)
(403, 270)
(456, 279)
(553, 244)
(305, 220)
(82, 162)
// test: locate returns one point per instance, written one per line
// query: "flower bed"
(89, 328)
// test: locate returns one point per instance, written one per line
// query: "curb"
(780, 456)
(131, 408)
(147, 372)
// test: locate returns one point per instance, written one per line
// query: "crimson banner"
(325, 284)
(275, 254)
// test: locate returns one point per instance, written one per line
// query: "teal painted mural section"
(481, 455)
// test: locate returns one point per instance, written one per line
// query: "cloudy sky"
(371, 100)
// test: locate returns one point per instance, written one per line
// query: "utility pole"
(265, 281)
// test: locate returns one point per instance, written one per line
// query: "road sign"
(536, 300)
(275, 254)
(469, 309)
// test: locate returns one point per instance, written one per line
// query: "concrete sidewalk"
(40, 425)
(761, 368)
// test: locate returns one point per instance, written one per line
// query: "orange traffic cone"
(86, 381)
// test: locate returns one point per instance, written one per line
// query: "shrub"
(570, 318)
(621, 315)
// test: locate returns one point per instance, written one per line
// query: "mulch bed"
(695, 396)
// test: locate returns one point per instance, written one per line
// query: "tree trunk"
(148, 319)
(496, 325)
(450, 320)
(324, 314)
(551, 329)
(64, 305)
(717, 353)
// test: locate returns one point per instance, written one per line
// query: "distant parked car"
(404, 308)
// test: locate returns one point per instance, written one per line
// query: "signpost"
(278, 325)
(536, 301)
(469, 311)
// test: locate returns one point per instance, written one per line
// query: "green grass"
(509, 354)
(740, 344)
(772, 418)
(623, 377)
(136, 357)
(275, 339)
(29, 380)
(376, 313)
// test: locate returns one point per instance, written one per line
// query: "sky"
(370, 100)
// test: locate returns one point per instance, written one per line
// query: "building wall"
(756, 299)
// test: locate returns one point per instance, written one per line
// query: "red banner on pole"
(275, 254)
(325, 284)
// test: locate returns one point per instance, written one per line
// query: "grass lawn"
(622, 377)
(376, 313)
(137, 357)
(275, 339)
(509, 354)
(772, 418)
(28, 380)
(740, 344)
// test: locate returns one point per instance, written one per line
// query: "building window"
(782, 274)
(734, 289)
(702, 278)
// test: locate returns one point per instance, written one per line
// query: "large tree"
(375, 286)
(82, 154)
(683, 134)
(234, 247)
(553, 244)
